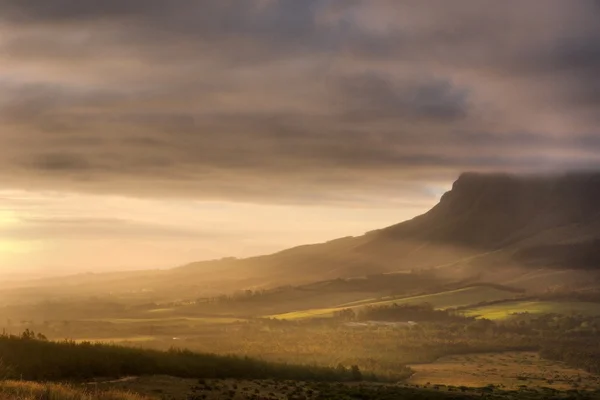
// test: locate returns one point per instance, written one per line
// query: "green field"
(199, 320)
(443, 300)
(312, 313)
(454, 298)
(124, 339)
(461, 298)
(506, 310)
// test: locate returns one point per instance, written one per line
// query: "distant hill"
(526, 231)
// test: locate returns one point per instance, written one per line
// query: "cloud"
(373, 96)
(32, 229)
(60, 162)
(292, 101)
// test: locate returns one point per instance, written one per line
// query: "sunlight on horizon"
(58, 232)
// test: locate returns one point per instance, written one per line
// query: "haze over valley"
(308, 200)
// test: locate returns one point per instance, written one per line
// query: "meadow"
(443, 300)
(509, 309)
(507, 370)
(487, 334)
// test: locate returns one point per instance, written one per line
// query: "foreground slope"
(20, 390)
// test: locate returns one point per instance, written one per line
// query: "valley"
(456, 302)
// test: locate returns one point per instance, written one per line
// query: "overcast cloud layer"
(293, 100)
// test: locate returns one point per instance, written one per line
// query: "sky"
(148, 134)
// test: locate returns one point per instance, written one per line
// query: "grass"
(161, 386)
(508, 370)
(201, 320)
(506, 310)
(442, 300)
(455, 298)
(131, 339)
(161, 310)
(215, 389)
(304, 314)
(179, 389)
(12, 390)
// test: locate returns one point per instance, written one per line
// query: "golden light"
(8, 218)
(8, 245)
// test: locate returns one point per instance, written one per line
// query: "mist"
(303, 200)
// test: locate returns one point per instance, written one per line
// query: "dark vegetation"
(206, 389)
(573, 339)
(297, 391)
(435, 392)
(32, 357)
(581, 353)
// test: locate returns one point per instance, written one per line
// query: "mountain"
(486, 225)
(542, 221)
(493, 211)
(530, 232)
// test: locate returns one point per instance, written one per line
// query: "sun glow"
(8, 218)
(8, 245)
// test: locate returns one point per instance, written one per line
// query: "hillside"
(441, 300)
(488, 227)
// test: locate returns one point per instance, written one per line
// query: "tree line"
(29, 356)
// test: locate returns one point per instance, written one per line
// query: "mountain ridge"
(495, 218)
(488, 228)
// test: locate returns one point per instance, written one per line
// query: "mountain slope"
(489, 227)
(485, 221)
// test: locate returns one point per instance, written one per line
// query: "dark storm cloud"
(60, 162)
(285, 100)
(259, 24)
(375, 96)
(73, 11)
(510, 39)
